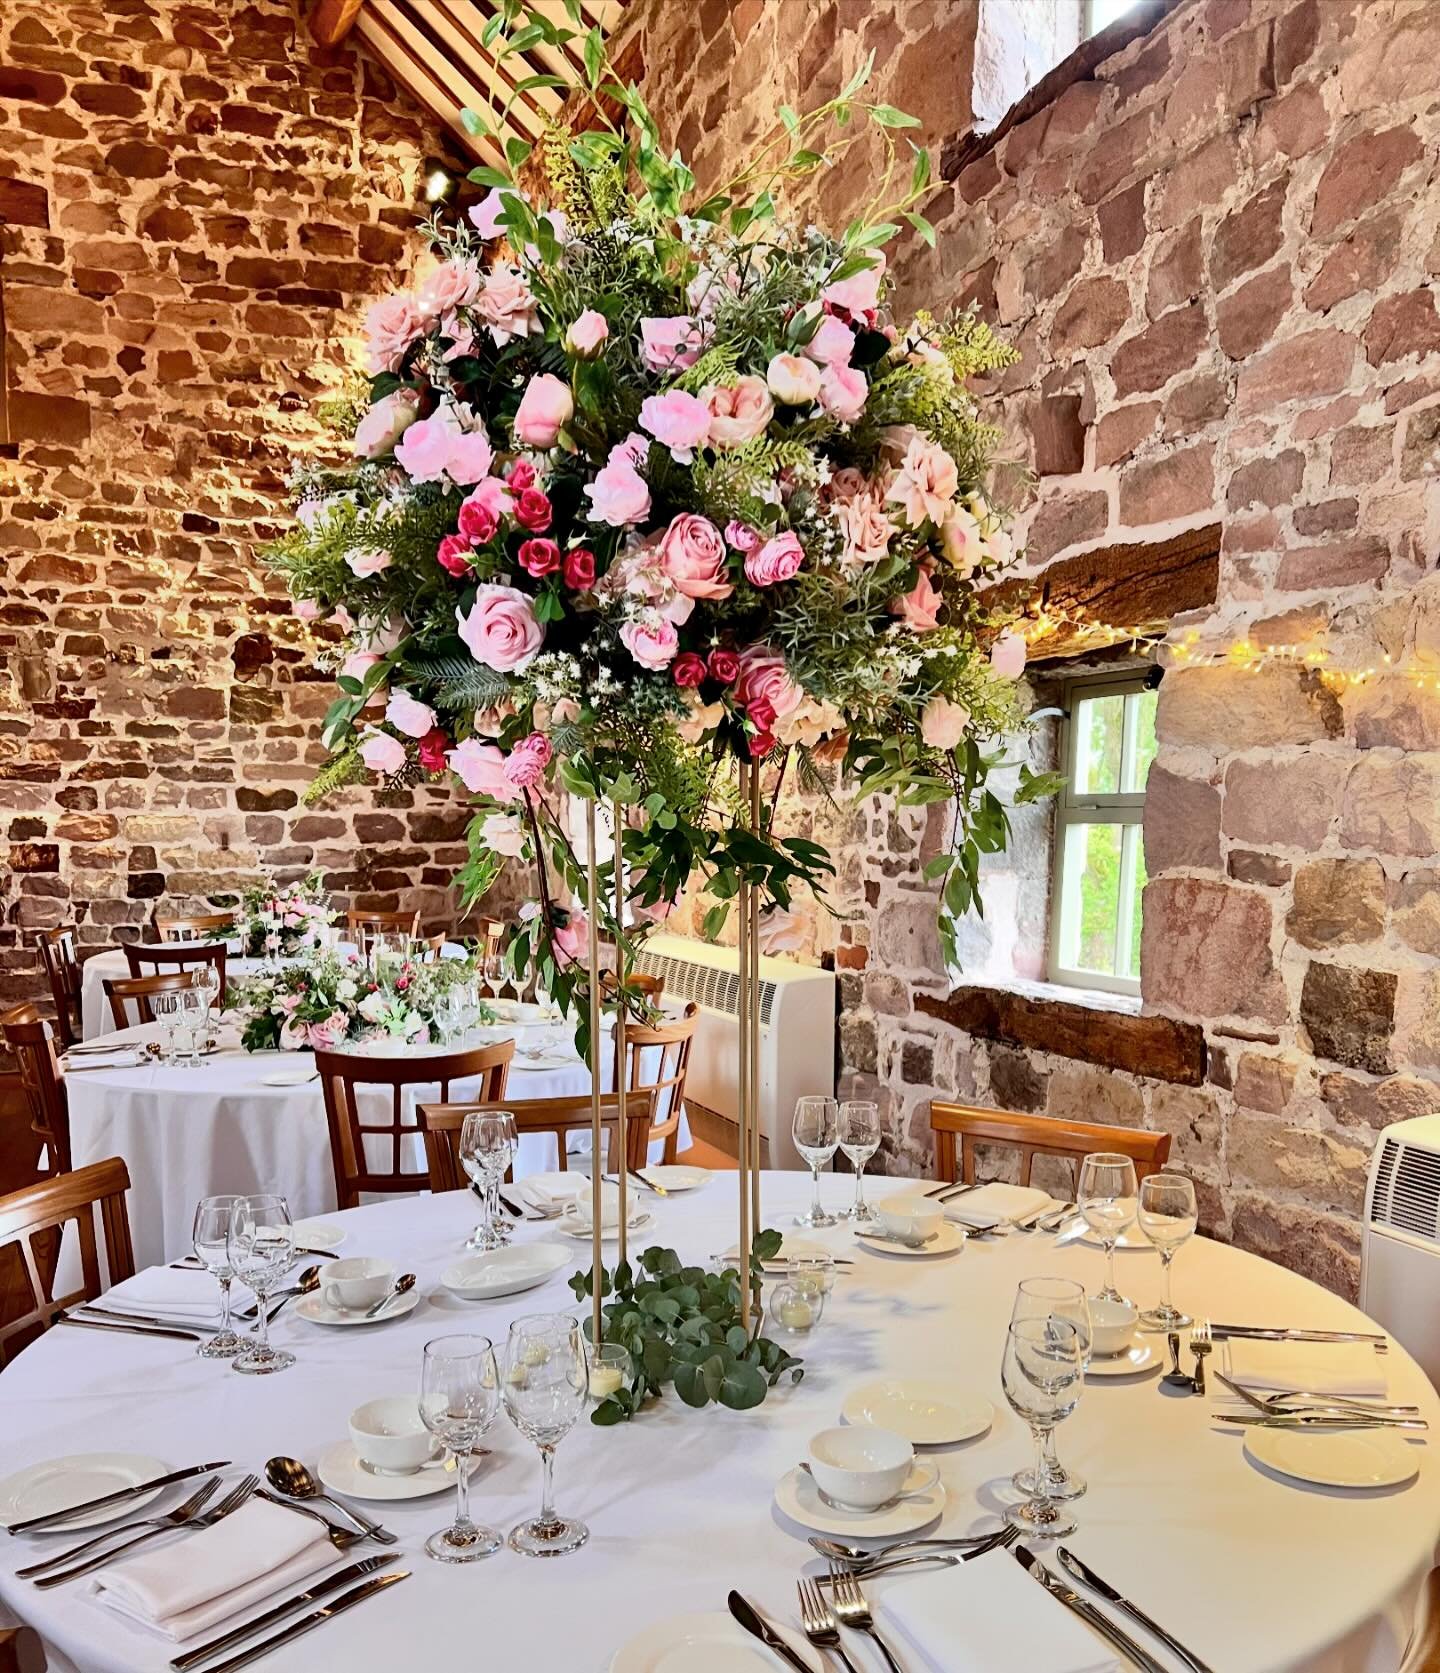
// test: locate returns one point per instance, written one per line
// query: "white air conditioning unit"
(1400, 1254)
(797, 1033)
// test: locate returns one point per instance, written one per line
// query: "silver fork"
(854, 1612)
(1301, 1400)
(341, 1538)
(1201, 1346)
(171, 1519)
(948, 1559)
(206, 1519)
(818, 1620)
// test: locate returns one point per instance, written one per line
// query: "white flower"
(372, 1006)
(345, 988)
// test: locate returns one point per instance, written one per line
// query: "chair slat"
(442, 1125)
(1034, 1135)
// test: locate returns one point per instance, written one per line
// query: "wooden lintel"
(332, 20)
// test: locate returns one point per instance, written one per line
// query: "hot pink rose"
(670, 345)
(305, 609)
(501, 630)
(860, 293)
(424, 450)
(478, 520)
(469, 457)
(692, 554)
(842, 392)
(778, 559)
(381, 753)
(652, 641)
(678, 421)
(432, 750)
(454, 554)
(920, 607)
(506, 305)
(485, 216)
(491, 499)
(763, 677)
(586, 335)
(739, 412)
(385, 423)
(943, 723)
(520, 476)
(368, 563)
(546, 407)
(1007, 655)
(453, 284)
(619, 495)
(537, 744)
(724, 666)
(539, 556)
(579, 570)
(832, 344)
(391, 325)
(533, 511)
(408, 715)
(741, 536)
(687, 670)
(481, 768)
(925, 484)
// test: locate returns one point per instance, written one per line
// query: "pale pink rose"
(391, 325)
(305, 609)
(503, 833)
(326, 1034)
(678, 421)
(294, 1036)
(842, 392)
(738, 413)
(385, 423)
(424, 450)
(925, 484)
(794, 381)
(779, 559)
(708, 289)
(565, 713)
(368, 563)
(342, 619)
(586, 334)
(670, 345)
(810, 723)
(381, 633)
(506, 305)
(943, 723)
(524, 768)
(408, 715)
(490, 723)
(546, 407)
(287, 1002)
(763, 677)
(358, 664)
(481, 769)
(860, 293)
(469, 457)
(784, 930)
(961, 540)
(453, 284)
(920, 607)
(692, 554)
(832, 344)
(501, 630)
(381, 753)
(652, 641)
(845, 484)
(619, 495)
(1007, 655)
(462, 338)
(571, 938)
(868, 530)
(485, 216)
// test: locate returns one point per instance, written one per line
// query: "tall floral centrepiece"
(648, 484)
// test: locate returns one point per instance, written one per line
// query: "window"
(1100, 14)
(1099, 876)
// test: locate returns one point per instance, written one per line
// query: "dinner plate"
(671, 1177)
(40, 1489)
(925, 1413)
(791, 1249)
(798, 1496)
(318, 1234)
(319, 1312)
(505, 1271)
(553, 1061)
(298, 1076)
(948, 1239)
(1139, 1356)
(524, 1015)
(1335, 1457)
(342, 1471)
(700, 1644)
(608, 1234)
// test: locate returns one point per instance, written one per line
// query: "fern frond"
(459, 682)
(345, 768)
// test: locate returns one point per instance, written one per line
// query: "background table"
(1257, 1574)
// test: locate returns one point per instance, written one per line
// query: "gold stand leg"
(622, 1065)
(597, 1132)
(744, 1152)
(752, 1018)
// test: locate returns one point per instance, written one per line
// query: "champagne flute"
(261, 1245)
(210, 1239)
(459, 1397)
(546, 1384)
(858, 1129)
(1106, 1194)
(1168, 1217)
(487, 1149)
(815, 1134)
(1041, 1374)
(1054, 1298)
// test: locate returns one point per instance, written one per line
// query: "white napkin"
(190, 1297)
(1319, 1367)
(180, 1592)
(119, 1059)
(989, 1616)
(996, 1204)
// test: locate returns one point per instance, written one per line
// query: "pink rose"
(656, 912)
(586, 335)
(619, 495)
(546, 407)
(738, 413)
(943, 723)
(793, 380)
(763, 678)
(860, 293)
(381, 753)
(524, 768)
(571, 937)
(358, 664)
(1007, 655)
(342, 618)
(724, 666)
(845, 484)
(842, 392)
(579, 570)
(920, 607)
(868, 530)
(520, 476)
(453, 284)
(424, 450)
(741, 536)
(925, 484)
(485, 216)
(408, 715)
(478, 519)
(537, 744)
(454, 555)
(692, 555)
(533, 511)
(326, 1034)
(469, 457)
(391, 325)
(651, 640)
(778, 559)
(305, 609)
(670, 345)
(491, 501)
(481, 768)
(678, 421)
(538, 557)
(832, 344)
(506, 305)
(501, 630)
(368, 563)
(385, 423)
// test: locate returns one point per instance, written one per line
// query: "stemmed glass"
(207, 982)
(261, 1246)
(210, 1239)
(546, 1384)
(165, 1008)
(191, 1009)
(488, 1142)
(858, 1129)
(459, 1397)
(494, 971)
(1106, 1194)
(1168, 1217)
(816, 1136)
(1041, 1374)
(1054, 1298)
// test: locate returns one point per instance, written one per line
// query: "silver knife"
(1086, 1611)
(748, 1618)
(130, 1318)
(134, 1329)
(312, 1594)
(58, 1518)
(1318, 1420)
(1088, 1576)
(308, 1623)
(1276, 1333)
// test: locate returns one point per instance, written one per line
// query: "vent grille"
(1407, 1190)
(708, 985)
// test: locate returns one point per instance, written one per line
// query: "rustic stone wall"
(1218, 258)
(194, 216)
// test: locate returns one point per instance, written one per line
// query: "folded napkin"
(996, 1204)
(989, 1616)
(122, 1058)
(182, 1591)
(189, 1297)
(1319, 1367)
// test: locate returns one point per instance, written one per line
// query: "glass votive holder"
(612, 1371)
(817, 1269)
(796, 1305)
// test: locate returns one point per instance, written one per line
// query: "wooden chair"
(442, 1124)
(428, 947)
(34, 1048)
(193, 929)
(353, 1130)
(1034, 1135)
(21, 1650)
(396, 923)
(121, 990)
(666, 1078)
(163, 958)
(59, 952)
(653, 987)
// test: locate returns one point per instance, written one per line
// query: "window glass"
(1090, 913)
(1100, 739)
(1142, 750)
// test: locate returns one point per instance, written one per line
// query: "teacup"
(358, 1282)
(581, 1208)
(389, 1436)
(863, 1468)
(910, 1216)
(1112, 1326)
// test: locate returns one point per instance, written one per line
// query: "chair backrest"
(427, 948)
(34, 1047)
(38, 1212)
(162, 958)
(190, 929)
(442, 1124)
(60, 954)
(664, 1076)
(1035, 1135)
(121, 990)
(403, 923)
(652, 987)
(358, 1134)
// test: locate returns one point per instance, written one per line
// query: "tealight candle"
(604, 1380)
(797, 1315)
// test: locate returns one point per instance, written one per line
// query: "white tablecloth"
(1256, 1574)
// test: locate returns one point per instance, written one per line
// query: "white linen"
(178, 1297)
(194, 1584)
(1319, 1367)
(989, 1616)
(1256, 1575)
(996, 1204)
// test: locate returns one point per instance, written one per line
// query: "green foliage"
(344, 768)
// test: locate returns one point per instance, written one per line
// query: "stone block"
(1374, 1104)
(1264, 1083)
(1350, 1015)
(1122, 430)
(1079, 1092)
(1403, 325)
(1268, 870)
(907, 938)
(1191, 1116)
(1326, 1170)
(1067, 520)
(1122, 224)
(1362, 261)
(1175, 271)
(1015, 1082)
(1390, 713)
(1170, 346)
(1415, 908)
(1361, 454)
(1247, 319)
(1205, 950)
(1336, 563)
(1091, 314)
(1223, 708)
(1182, 823)
(1337, 903)
(1304, 368)
(1393, 807)
(1248, 237)
(1271, 481)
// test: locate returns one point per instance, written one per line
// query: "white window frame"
(1124, 808)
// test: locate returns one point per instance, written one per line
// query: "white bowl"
(910, 1215)
(1112, 1326)
(389, 1436)
(506, 1271)
(864, 1467)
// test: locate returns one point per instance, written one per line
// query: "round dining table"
(1255, 1572)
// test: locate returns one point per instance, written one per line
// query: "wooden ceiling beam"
(332, 20)
(385, 31)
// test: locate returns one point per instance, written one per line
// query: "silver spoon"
(403, 1285)
(290, 1477)
(309, 1280)
(1175, 1377)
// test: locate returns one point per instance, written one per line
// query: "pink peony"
(619, 495)
(832, 344)
(306, 609)
(920, 607)
(868, 530)
(860, 293)
(579, 569)
(633, 451)
(738, 413)
(546, 407)
(453, 284)
(391, 325)
(424, 450)
(368, 563)
(925, 484)
(793, 380)
(670, 345)
(687, 670)
(481, 768)
(506, 305)
(533, 510)
(408, 715)
(692, 555)
(524, 768)
(294, 1036)
(943, 723)
(485, 216)
(1007, 655)
(381, 753)
(779, 559)
(385, 423)
(651, 640)
(469, 458)
(539, 557)
(763, 678)
(678, 421)
(842, 392)
(501, 630)
(586, 335)
(478, 519)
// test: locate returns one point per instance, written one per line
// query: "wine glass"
(191, 1010)
(165, 1008)
(1168, 1217)
(1041, 1374)
(858, 1129)
(459, 1397)
(1107, 1201)
(546, 1383)
(815, 1135)
(487, 1149)
(207, 982)
(261, 1246)
(1054, 1298)
(494, 970)
(210, 1239)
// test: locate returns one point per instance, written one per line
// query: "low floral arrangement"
(321, 1001)
(282, 918)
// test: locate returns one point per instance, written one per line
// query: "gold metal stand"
(622, 1066)
(597, 1132)
(748, 1147)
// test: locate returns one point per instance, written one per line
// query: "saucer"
(948, 1239)
(318, 1312)
(791, 1249)
(318, 1234)
(553, 1061)
(291, 1077)
(671, 1177)
(520, 1266)
(1335, 1458)
(926, 1414)
(798, 1496)
(700, 1644)
(342, 1471)
(40, 1489)
(1139, 1356)
(608, 1234)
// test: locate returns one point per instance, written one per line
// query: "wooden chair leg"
(21, 1650)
